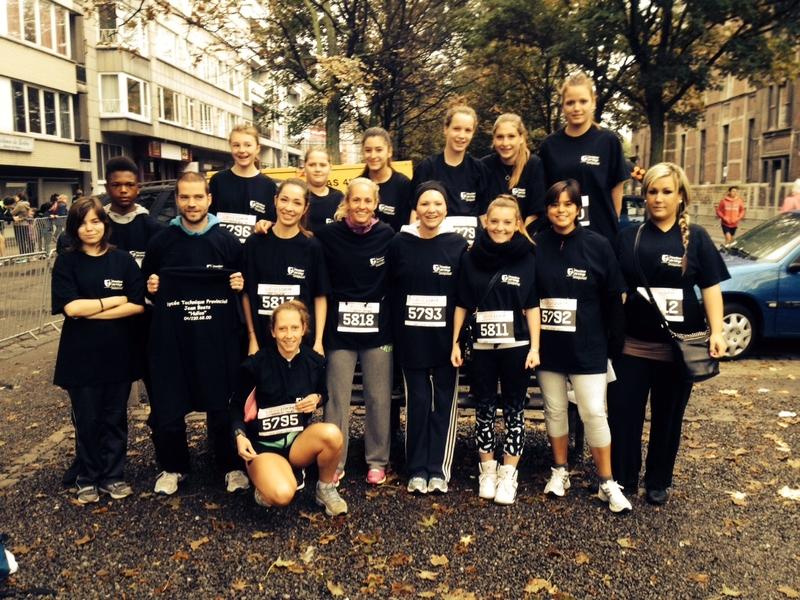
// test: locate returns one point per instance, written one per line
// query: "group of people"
(265, 296)
(18, 213)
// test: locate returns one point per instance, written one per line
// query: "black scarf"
(488, 255)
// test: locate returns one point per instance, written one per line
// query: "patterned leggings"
(507, 365)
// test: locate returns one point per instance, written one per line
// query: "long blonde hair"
(342, 209)
(524, 153)
(668, 169)
(508, 201)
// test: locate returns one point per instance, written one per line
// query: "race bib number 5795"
(278, 420)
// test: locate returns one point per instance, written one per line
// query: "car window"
(770, 241)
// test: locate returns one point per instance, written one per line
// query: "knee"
(331, 436)
(279, 493)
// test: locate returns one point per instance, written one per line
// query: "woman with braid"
(674, 257)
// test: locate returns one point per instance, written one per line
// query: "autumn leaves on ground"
(731, 528)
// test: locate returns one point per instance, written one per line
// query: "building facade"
(746, 135)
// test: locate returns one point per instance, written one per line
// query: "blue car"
(762, 297)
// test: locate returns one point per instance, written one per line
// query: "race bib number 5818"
(358, 317)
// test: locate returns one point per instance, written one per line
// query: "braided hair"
(681, 182)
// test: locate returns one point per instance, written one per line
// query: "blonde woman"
(356, 248)
(674, 257)
(497, 282)
(589, 154)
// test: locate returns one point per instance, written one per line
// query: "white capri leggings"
(590, 394)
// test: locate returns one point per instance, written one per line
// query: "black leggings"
(669, 391)
(507, 365)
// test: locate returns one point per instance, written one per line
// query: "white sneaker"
(235, 481)
(487, 479)
(611, 492)
(327, 496)
(437, 485)
(167, 483)
(417, 485)
(559, 482)
(259, 499)
(506, 485)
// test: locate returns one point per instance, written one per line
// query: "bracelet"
(102, 308)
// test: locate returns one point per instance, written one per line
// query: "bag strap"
(489, 287)
(640, 272)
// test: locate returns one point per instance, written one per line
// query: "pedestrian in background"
(792, 201)
(730, 211)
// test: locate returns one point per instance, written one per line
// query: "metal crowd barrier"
(27, 253)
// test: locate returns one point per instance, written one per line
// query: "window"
(104, 153)
(132, 37)
(752, 151)
(168, 108)
(779, 106)
(39, 22)
(41, 111)
(701, 170)
(206, 122)
(683, 151)
(122, 94)
(726, 132)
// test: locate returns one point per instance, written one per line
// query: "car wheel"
(739, 330)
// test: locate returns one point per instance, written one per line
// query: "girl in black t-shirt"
(462, 175)
(394, 188)
(97, 288)
(423, 261)
(242, 195)
(583, 151)
(497, 283)
(323, 199)
(580, 288)
(355, 247)
(674, 257)
(512, 169)
(280, 387)
(284, 264)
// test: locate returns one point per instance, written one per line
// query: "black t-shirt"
(513, 291)
(596, 161)
(529, 190)
(396, 196)
(94, 351)
(217, 248)
(465, 184)
(278, 384)
(423, 278)
(241, 201)
(132, 237)
(660, 254)
(322, 208)
(278, 270)
(358, 313)
(576, 274)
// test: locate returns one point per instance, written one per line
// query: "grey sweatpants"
(376, 367)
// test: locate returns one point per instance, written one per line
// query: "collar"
(178, 222)
(121, 219)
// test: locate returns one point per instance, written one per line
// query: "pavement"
(730, 529)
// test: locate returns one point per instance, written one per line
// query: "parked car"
(158, 197)
(762, 297)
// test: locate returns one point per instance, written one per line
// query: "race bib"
(358, 317)
(668, 300)
(559, 314)
(279, 420)
(238, 224)
(495, 327)
(583, 217)
(465, 226)
(425, 311)
(272, 295)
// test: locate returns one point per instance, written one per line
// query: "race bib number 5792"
(559, 314)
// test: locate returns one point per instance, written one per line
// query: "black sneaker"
(657, 497)
(117, 490)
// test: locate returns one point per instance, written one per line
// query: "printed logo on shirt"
(386, 209)
(377, 261)
(296, 273)
(443, 270)
(519, 193)
(671, 261)
(590, 159)
(138, 256)
(328, 220)
(468, 196)
(510, 279)
(215, 266)
(577, 274)
(257, 206)
(113, 284)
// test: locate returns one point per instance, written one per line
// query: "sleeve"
(544, 155)
(321, 386)
(421, 174)
(536, 189)
(269, 202)
(213, 188)
(719, 210)
(617, 166)
(246, 383)
(134, 281)
(321, 282)
(152, 257)
(234, 253)
(742, 209)
(532, 299)
(405, 200)
(711, 267)
(465, 291)
(615, 282)
(64, 285)
(615, 319)
(483, 191)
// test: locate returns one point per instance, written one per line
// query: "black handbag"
(467, 336)
(690, 348)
